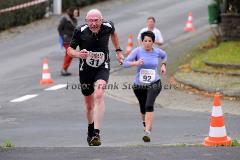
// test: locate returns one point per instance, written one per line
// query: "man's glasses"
(93, 20)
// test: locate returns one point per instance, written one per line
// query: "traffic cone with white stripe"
(189, 25)
(46, 76)
(129, 44)
(217, 132)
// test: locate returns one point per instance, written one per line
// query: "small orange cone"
(189, 25)
(129, 44)
(217, 132)
(46, 76)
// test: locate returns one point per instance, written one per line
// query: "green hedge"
(30, 14)
(21, 16)
(77, 3)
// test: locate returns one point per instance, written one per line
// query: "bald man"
(93, 39)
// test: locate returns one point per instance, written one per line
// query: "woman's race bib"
(147, 75)
(95, 59)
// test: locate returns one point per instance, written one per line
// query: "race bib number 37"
(147, 75)
(95, 59)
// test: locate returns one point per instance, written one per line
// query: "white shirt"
(157, 33)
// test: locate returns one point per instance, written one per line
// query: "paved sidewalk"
(228, 85)
(170, 97)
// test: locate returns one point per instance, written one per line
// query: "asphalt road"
(23, 50)
(126, 153)
(56, 119)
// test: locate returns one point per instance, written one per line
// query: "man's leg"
(89, 106)
(99, 110)
(87, 88)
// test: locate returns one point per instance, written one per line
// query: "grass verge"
(7, 144)
(225, 53)
(235, 143)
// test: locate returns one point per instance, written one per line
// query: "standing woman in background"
(147, 83)
(65, 29)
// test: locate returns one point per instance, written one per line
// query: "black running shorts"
(89, 77)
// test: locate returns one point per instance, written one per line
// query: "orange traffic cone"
(129, 44)
(46, 76)
(217, 132)
(189, 25)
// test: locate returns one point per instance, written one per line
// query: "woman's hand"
(139, 62)
(163, 69)
(120, 57)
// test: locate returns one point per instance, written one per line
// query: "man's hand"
(120, 57)
(83, 54)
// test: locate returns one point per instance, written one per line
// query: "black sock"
(96, 131)
(90, 129)
(144, 124)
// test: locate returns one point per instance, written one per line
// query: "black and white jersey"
(97, 44)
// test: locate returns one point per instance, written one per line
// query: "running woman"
(147, 83)
(93, 40)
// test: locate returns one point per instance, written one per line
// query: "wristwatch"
(118, 50)
(164, 63)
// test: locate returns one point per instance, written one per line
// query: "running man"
(147, 83)
(93, 39)
(151, 26)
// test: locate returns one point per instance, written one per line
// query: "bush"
(229, 6)
(21, 16)
(77, 3)
(234, 6)
(30, 14)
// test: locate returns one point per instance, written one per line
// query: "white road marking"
(56, 87)
(29, 96)
(24, 98)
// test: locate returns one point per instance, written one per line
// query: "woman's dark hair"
(71, 10)
(148, 34)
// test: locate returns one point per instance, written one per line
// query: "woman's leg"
(66, 62)
(141, 95)
(152, 93)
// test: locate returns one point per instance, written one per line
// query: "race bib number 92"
(147, 75)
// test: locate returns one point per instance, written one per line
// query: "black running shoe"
(146, 137)
(90, 133)
(89, 137)
(95, 141)
(89, 140)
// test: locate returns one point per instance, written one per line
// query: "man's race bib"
(147, 75)
(95, 59)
